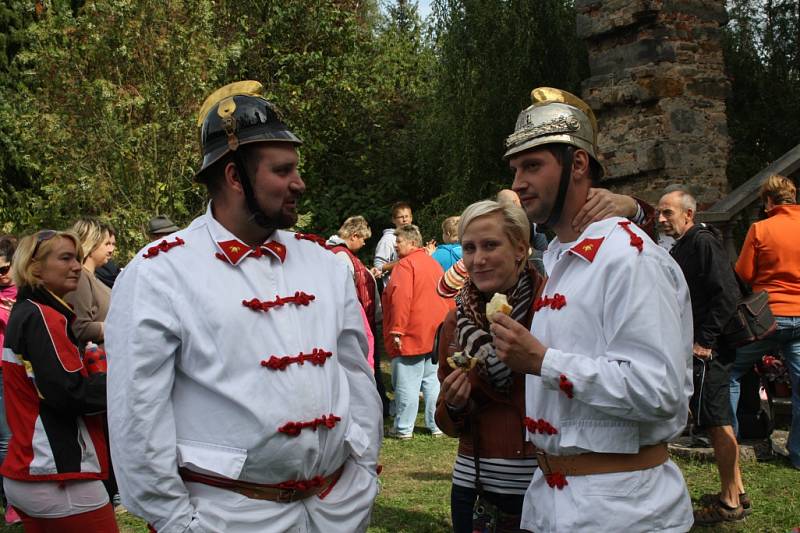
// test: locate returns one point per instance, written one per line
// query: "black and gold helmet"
(234, 115)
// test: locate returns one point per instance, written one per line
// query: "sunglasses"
(4, 269)
(42, 236)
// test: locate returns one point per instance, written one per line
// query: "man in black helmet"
(608, 349)
(243, 400)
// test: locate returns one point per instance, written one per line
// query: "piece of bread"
(498, 304)
(462, 361)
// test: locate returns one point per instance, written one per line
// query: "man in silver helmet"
(243, 400)
(608, 352)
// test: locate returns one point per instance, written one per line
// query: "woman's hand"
(515, 345)
(456, 389)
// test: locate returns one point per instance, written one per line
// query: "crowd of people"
(229, 379)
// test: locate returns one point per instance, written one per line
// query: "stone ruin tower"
(658, 88)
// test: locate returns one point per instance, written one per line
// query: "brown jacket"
(499, 416)
(90, 302)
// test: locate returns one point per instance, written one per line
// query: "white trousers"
(346, 508)
(649, 500)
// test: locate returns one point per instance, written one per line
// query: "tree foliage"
(762, 57)
(490, 56)
(101, 113)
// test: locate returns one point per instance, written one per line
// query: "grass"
(415, 490)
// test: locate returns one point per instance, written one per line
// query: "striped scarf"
(472, 327)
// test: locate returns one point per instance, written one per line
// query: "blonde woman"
(58, 455)
(485, 406)
(92, 297)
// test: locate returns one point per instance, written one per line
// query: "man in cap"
(609, 351)
(159, 227)
(243, 400)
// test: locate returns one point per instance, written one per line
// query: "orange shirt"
(770, 259)
(411, 305)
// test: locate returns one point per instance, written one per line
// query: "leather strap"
(258, 491)
(586, 464)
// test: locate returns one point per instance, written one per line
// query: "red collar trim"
(587, 248)
(233, 251)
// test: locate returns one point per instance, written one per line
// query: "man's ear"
(580, 165)
(231, 177)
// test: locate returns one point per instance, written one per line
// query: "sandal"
(717, 512)
(744, 500)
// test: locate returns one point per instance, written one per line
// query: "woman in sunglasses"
(58, 454)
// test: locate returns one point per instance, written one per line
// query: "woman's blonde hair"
(515, 221)
(92, 233)
(33, 250)
(355, 225)
(779, 189)
(411, 233)
(450, 229)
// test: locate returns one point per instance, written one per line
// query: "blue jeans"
(787, 339)
(409, 375)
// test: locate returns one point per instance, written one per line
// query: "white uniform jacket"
(194, 322)
(616, 317)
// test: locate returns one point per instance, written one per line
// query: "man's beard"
(277, 219)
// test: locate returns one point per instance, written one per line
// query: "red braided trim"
(317, 357)
(556, 302)
(566, 386)
(636, 241)
(313, 238)
(293, 428)
(556, 480)
(539, 426)
(299, 298)
(163, 246)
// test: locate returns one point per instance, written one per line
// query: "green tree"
(762, 58)
(491, 54)
(349, 79)
(102, 114)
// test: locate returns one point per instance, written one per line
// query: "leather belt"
(277, 493)
(586, 464)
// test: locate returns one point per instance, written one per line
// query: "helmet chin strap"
(563, 185)
(256, 214)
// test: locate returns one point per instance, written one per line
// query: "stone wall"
(658, 88)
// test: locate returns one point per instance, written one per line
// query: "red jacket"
(52, 403)
(411, 305)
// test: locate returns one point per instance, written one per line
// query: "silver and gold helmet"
(556, 116)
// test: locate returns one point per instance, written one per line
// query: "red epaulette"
(313, 238)
(164, 246)
(636, 241)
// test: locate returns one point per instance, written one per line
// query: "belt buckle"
(286, 495)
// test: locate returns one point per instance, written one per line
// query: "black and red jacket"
(54, 406)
